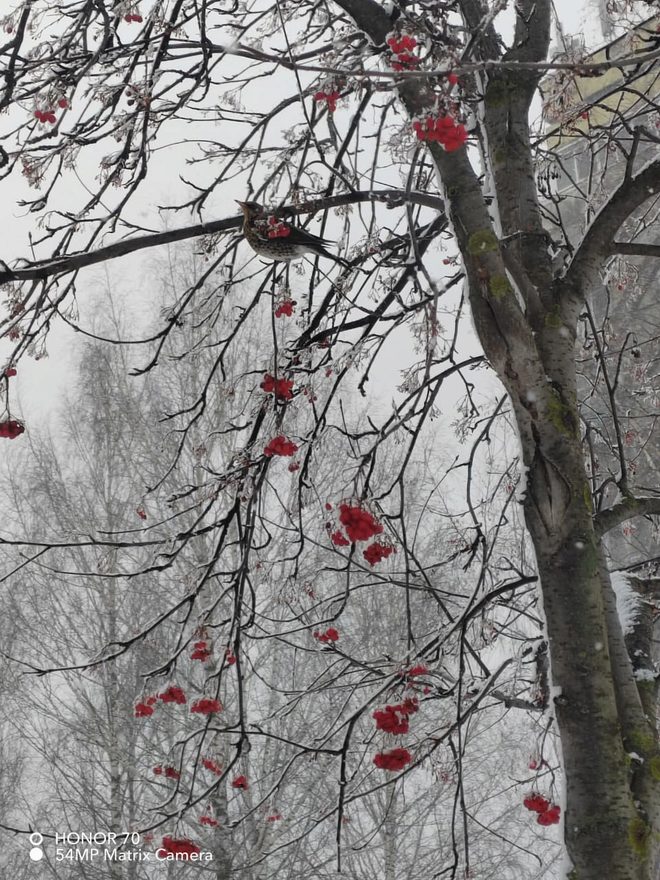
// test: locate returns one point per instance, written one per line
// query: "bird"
(277, 240)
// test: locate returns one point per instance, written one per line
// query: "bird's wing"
(301, 236)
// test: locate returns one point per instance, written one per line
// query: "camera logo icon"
(36, 853)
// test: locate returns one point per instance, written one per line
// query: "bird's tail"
(321, 251)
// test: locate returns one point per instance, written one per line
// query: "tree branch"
(630, 507)
(517, 702)
(635, 249)
(73, 262)
(597, 243)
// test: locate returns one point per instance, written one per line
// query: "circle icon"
(36, 854)
(36, 839)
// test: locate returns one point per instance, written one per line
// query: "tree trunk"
(600, 819)
(611, 806)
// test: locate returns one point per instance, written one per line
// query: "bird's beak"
(242, 204)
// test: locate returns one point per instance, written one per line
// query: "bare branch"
(630, 507)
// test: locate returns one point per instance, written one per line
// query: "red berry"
(550, 816)
(536, 802)
(63, 103)
(11, 429)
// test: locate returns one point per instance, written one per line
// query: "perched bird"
(274, 239)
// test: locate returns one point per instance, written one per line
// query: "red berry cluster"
(45, 116)
(286, 307)
(212, 765)
(206, 706)
(277, 228)
(181, 847)
(548, 814)
(201, 651)
(240, 782)
(133, 16)
(394, 759)
(173, 694)
(11, 429)
(402, 43)
(330, 98)
(280, 446)
(376, 552)
(394, 719)
(208, 820)
(330, 635)
(443, 129)
(359, 523)
(145, 709)
(401, 47)
(339, 540)
(281, 388)
(168, 772)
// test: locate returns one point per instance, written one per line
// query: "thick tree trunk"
(600, 819)
(611, 805)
